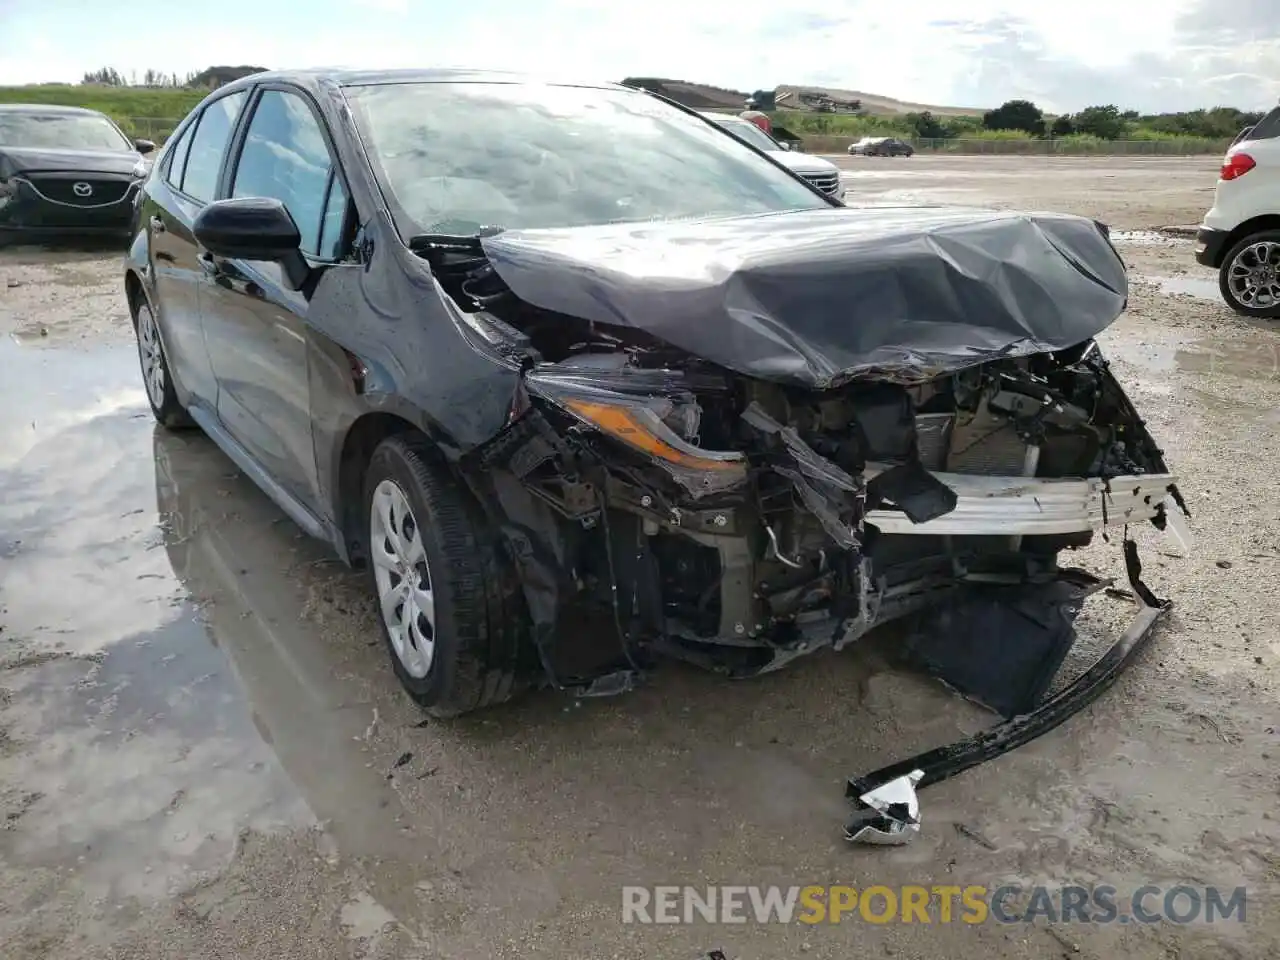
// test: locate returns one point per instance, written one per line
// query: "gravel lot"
(203, 752)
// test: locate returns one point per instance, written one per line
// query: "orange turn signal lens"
(642, 429)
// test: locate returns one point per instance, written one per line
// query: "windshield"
(60, 131)
(455, 157)
(748, 131)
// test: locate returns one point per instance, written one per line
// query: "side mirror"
(784, 145)
(253, 228)
(144, 146)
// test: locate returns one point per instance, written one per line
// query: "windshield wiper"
(439, 239)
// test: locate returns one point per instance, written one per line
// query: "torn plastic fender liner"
(838, 500)
(527, 523)
(833, 496)
(942, 763)
(817, 297)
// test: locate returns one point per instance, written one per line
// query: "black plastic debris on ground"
(1002, 645)
(947, 761)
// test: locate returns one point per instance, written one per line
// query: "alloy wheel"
(151, 355)
(1254, 275)
(403, 580)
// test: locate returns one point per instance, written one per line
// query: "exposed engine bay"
(736, 443)
(739, 522)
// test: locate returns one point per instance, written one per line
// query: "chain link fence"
(156, 129)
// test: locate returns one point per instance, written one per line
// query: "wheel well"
(357, 449)
(1270, 221)
(133, 292)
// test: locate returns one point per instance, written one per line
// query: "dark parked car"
(66, 171)
(881, 147)
(580, 380)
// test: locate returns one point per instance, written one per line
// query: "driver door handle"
(157, 225)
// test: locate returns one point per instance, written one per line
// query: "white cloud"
(1148, 54)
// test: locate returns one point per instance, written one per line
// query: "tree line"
(1106, 122)
(208, 77)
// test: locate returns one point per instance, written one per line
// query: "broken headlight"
(661, 427)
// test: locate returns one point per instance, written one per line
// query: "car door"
(253, 321)
(188, 180)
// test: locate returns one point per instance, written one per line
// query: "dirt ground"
(204, 754)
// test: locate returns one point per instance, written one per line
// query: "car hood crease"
(16, 160)
(817, 297)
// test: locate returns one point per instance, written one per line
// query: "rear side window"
(200, 179)
(176, 165)
(1267, 128)
(285, 157)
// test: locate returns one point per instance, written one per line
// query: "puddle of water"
(1253, 360)
(364, 917)
(1202, 288)
(1240, 358)
(47, 392)
(154, 708)
(1148, 238)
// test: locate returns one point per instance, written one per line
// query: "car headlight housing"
(659, 427)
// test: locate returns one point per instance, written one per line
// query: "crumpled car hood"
(818, 297)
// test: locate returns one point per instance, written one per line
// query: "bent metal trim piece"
(879, 820)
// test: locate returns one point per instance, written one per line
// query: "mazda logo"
(82, 189)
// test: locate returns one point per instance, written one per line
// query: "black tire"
(163, 401)
(1229, 295)
(478, 625)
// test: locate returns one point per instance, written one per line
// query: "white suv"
(1240, 235)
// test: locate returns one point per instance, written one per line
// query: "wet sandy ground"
(203, 753)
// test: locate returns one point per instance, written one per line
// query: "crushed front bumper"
(1030, 506)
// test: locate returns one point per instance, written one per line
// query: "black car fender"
(138, 277)
(360, 395)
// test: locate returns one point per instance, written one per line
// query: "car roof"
(48, 108)
(316, 78)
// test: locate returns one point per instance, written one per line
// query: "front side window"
(176, 157)
(60, 131)
(208, 144)
(457, 157)
(285, 157)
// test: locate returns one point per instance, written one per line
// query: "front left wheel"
(155, 371)
(451, 627)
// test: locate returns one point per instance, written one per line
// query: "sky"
(1149, 55)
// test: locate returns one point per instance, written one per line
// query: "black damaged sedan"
(581, 379)
(66, 172)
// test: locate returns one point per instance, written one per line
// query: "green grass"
(141, 112)
(153, 113)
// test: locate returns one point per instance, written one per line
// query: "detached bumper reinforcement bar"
(939, 764)
(1025, 505)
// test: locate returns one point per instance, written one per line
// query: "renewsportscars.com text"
(973, 904)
